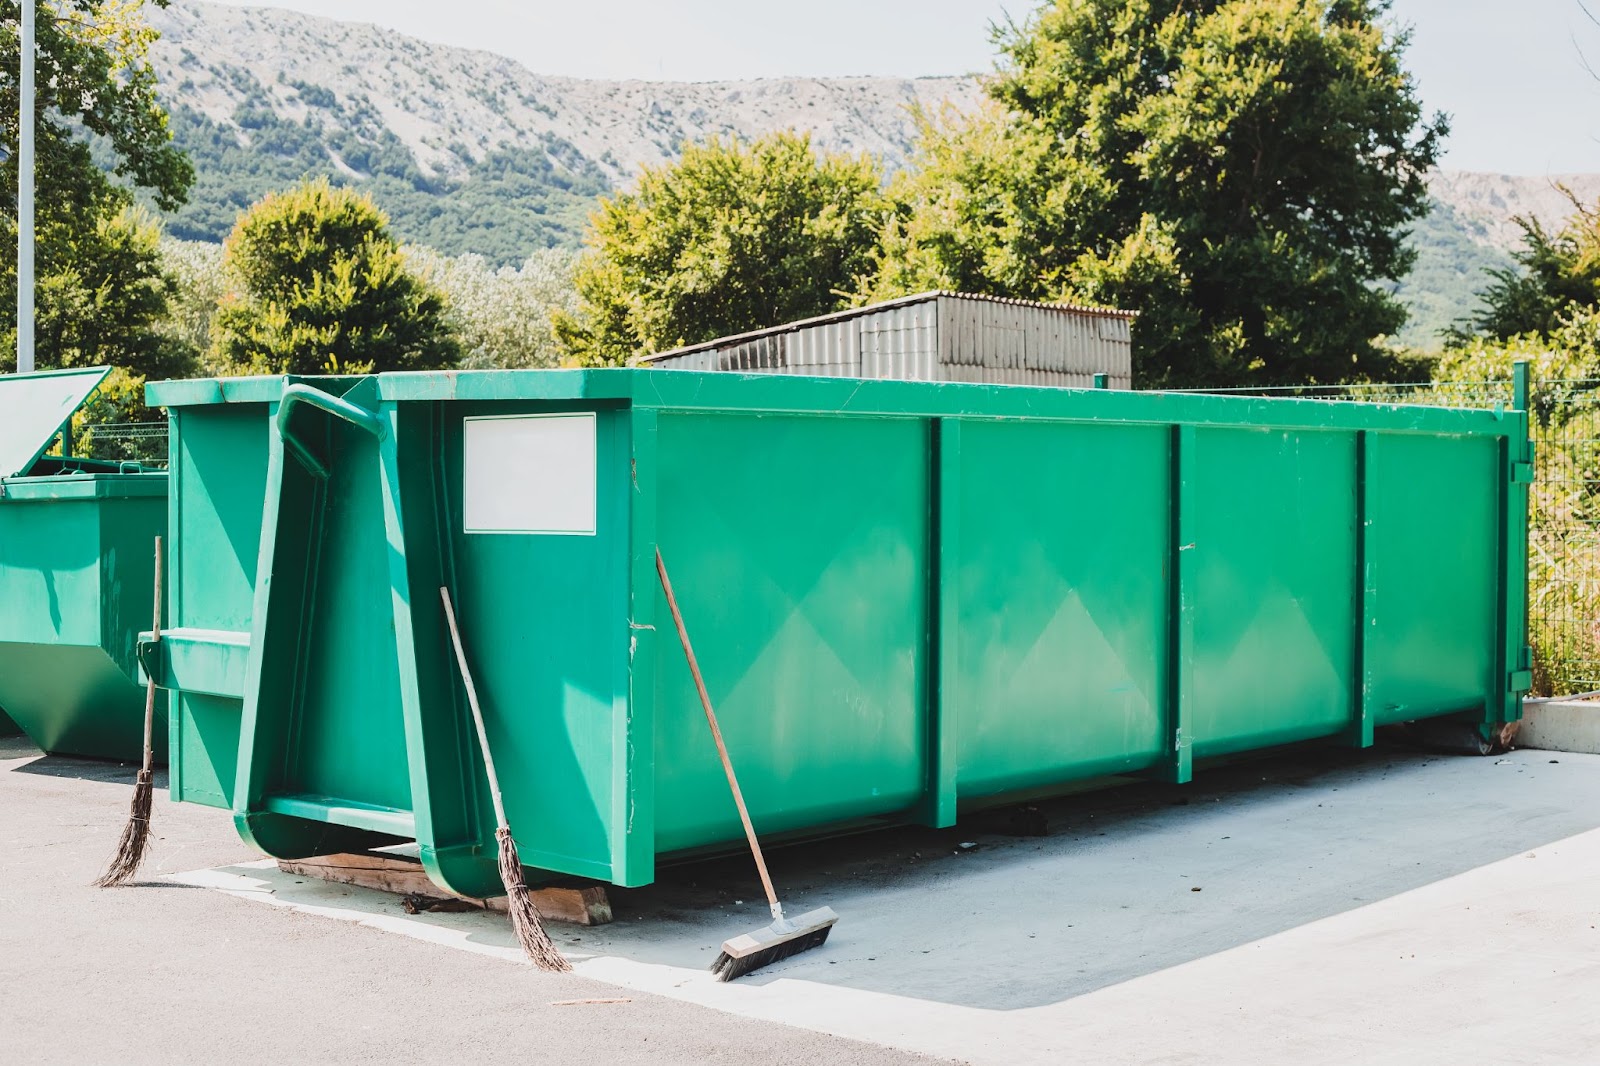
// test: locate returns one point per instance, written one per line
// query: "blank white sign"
(529, 474)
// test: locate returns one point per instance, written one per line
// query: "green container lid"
(34, 407)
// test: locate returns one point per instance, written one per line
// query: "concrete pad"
(1323, 907)
(1561, 725)
(160, 973)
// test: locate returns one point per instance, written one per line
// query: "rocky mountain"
(1472, 230)
(470, 151)
(458, 143)
(1487, 203)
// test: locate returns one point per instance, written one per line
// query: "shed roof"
(868, 309)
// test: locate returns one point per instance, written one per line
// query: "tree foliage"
(734, 236)
(1555, 274)
(502, 317)
(1239, 171)
(109, 301)
(318, 285)
(102, 292)
(197, 268)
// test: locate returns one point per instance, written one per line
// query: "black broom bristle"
(727, 967)
(536, 943)
(135, 836)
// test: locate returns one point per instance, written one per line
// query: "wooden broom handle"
(150, 686)
(477, 711)
(716, 734)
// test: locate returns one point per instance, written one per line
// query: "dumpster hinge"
(1521, 472)
(1520, 680)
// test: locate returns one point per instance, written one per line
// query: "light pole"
(25, 195)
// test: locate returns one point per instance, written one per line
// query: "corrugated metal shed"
(933, 336)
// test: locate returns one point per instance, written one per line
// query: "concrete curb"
(1561, 725)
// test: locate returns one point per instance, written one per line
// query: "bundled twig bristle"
(135, 836)
(540, 949)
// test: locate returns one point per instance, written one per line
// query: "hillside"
(468, 151)
(1471, 231)
(472, 152)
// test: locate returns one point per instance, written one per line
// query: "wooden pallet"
(580, 905)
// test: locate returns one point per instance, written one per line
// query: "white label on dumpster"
(529, 474)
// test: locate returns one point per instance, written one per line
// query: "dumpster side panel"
(76, 585)
(798, 549)
(50, 571)
(541, 590)
(220, 468)
(1433, 541)
(129, 526)
(72, 700)
(1061, 599)
(1273, 543)
(219, 472)
(348, 735)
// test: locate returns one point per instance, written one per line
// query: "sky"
(1511, 73)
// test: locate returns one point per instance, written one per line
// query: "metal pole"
(25, 196)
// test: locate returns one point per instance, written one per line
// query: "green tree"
(101, 292)
(1238, 171)
(319, 286)
(197, 268)
(733, 237)
(502, 317)
(1556, 275)
(109, 302)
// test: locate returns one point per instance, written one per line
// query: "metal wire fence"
(1564, 538)
(1564, 510)
(1477, 394)
(144, 443)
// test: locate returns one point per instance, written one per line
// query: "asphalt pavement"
(1318, 906)
(164, 973)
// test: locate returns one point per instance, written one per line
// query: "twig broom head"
(536, 943)
(135, 836)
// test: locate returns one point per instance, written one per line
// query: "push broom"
(136, 833)
(525, 920)
(785, 936)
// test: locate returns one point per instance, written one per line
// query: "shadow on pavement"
(1125, 881)
(1015, 909)
(13, 749)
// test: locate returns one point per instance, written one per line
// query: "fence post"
(1518, 656)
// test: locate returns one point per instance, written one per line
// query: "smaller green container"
(77, 540)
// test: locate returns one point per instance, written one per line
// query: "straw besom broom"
(136, 833)
(536, 943)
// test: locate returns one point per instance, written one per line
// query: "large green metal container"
(77, 540)
(908, 598)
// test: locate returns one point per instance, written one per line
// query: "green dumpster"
(77, 541)
(908, 598)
